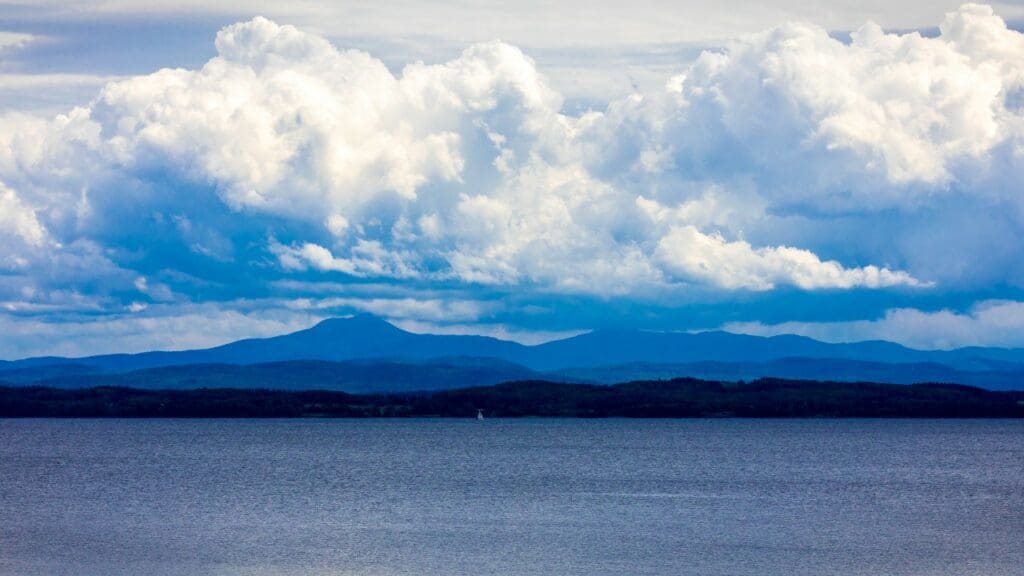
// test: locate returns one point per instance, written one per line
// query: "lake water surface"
(511, 497)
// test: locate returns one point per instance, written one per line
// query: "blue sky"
(176, 176)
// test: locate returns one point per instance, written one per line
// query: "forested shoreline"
(678, 398)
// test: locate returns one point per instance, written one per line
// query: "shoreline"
(671, 399)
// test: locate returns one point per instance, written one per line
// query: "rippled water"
(511, 497)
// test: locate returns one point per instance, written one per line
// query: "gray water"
(511, 497)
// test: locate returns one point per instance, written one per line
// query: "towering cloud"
(787, 159)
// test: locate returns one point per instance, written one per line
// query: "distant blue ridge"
(603, 356)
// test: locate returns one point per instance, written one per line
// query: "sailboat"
(479, 414)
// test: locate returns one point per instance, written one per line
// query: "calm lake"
(511, 497)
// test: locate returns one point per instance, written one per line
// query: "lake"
(511, 497)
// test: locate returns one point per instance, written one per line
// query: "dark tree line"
(679, 398)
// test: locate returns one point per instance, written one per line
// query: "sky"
(179, 175)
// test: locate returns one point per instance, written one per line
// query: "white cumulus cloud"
(18, 222)
(788, 158)
(737, 264)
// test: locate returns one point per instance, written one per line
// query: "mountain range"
(367, 354)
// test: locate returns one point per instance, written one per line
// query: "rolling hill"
(352, 376)
(365, 349)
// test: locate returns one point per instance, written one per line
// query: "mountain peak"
(360, 322)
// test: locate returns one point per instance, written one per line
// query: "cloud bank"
(988, 323)
(789, 160)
